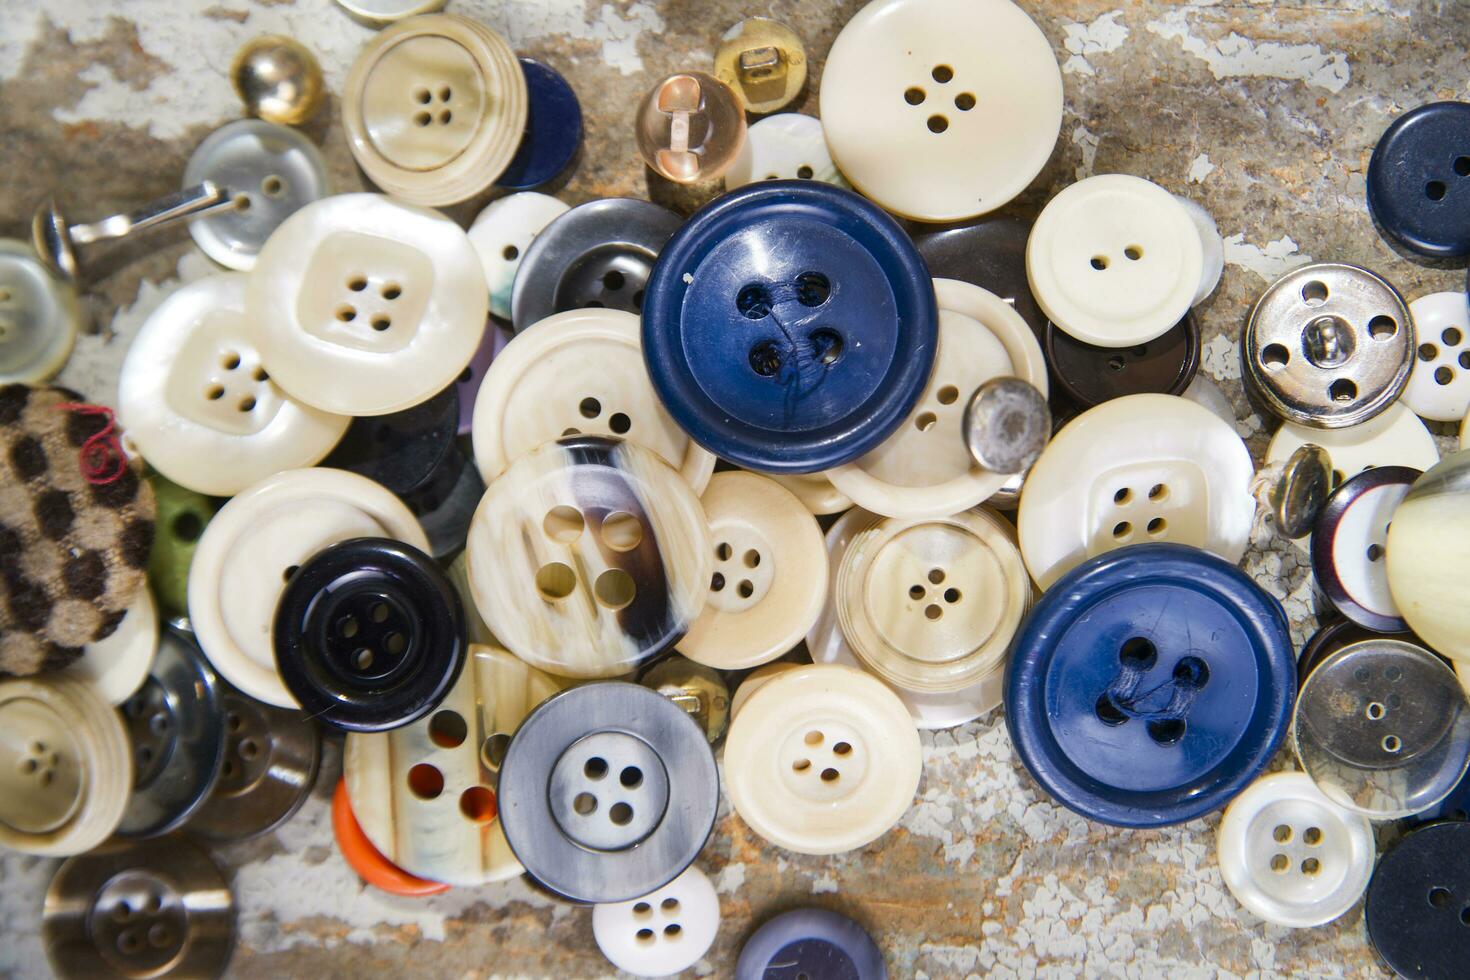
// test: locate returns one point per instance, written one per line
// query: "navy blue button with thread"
(1150, 685)
(1419, 180)
(553, 130)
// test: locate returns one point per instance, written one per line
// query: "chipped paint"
(1200, 168)
(1103, 35)
(1234, 56)
(1219, 357)
(1271, 262)
(1087, 142)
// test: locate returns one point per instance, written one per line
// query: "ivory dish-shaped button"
(361, 305)
(589, 556)
(115, 667)
(789, 146)
(201, 407)
(822, 760)
(380, 13)
(1426, 545)
(39, 316)
(770, 574)
(425, 794)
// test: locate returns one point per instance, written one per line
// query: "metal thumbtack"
(1294, 491)
(1007, 424)
(55, 238)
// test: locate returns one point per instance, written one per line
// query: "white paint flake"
(825, 884)
(1235, 56)
(1220, 358)
(1271, 262)
(1102, 36)
(1088, 143)
(1200, 168)
(731, 879)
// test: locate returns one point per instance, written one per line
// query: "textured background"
(1265, 113)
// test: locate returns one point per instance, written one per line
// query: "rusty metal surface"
(1265, 113)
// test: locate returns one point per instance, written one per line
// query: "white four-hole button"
(664, 932)
(1439, 384)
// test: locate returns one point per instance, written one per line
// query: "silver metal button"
(1007, 424)
(1294, 490)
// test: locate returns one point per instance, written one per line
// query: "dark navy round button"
(811, 943)
(1347, 546)
(401, 450)
(553, 130)
(369, 635)
(1150, 685)
(1092, 375)
(1419, 180)
(1418, 905)
(790, 326)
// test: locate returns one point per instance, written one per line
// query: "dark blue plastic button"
(812, 943)
(1150, 685)
(789, 326)
(1419, 180)
(1418, 905)
(553, 130)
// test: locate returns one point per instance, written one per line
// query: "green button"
(182, 516)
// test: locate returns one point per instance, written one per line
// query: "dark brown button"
(1092, 375)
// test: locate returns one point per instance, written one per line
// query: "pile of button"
(516, 508)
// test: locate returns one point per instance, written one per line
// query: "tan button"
(770, 574)
(764, 61)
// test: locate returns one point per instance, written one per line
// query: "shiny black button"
(401, 450)
(1092, 375)
(991, 253)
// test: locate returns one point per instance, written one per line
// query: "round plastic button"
(814, 942)
(364, 306)
(1334, 634)
(446, 504)
(815, 492)
(770, 574)
(1328, 346)
(789, 146)
(403, 451)
(368, 635)
(608, 792)
(790, 326)
(501, 235)
(425, 794)
(273, 171)
(1439, 384)
(663, 932)
(583, 373)
(380, 13)
(1142, 468)
(598, 254)
(1419, 180)
(434, 108)
(764, 61)
(39, 316)
(201, 408)
(257, 542)
(1114, 260)
(182, 518)
(1212, 248)
(1150, 685)
(991, 253)
(1425, 549)
(469, 380)
(967, 97)
(115, 667)
(924, 469)
(369, 863)
(1202, 391)
(589, 556)
(689, 127)
(1291, 855)
(1347, 546)
(1091, 375)
(1383, 728)
(1418, 901)
(553, 129)
(822, 759)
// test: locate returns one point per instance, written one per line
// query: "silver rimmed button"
(1007, 424)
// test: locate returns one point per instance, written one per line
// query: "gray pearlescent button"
(39, 316)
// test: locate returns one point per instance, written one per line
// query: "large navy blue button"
(553, 130)
(789, 326)
(1419, 180)
(1150, 685)
(813, 943)
(1418, 903)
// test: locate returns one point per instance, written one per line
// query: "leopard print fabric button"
(73, 548)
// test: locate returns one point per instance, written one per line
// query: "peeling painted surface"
(1264, 113)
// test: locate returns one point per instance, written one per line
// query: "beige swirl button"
(360, 305)
(770, 574)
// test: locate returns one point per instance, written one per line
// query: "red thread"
(101, 457)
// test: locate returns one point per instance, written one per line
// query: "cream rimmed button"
(1394, 437)
(790, 146)
(501, 234)
(932, 605)
(770, 574)
(662, 933)
(425, 794)
(198, 403)
(1212, 248)
(578, 372)
(924, 469)
(1424, 554)
(755, 679)
(1114, 260)
(361, 305)
(941, 110)
(435, 108)
(254, 544)
(116, 667)
(822, 759)
(1291, 855)
(1141, 468)
(815, 491)
(1439, 382)
(381, 12)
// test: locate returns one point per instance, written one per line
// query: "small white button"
(1114, 260)
(577, 373)
(117, 666)
(1141, 468)
(941, 110)
(1203, 391)
(822, 759)
(662, 933)
(770, 574)
(39, 316)
(789, 146)
(924, 469)
(1212, 248)
(1292, 856)
(199, 404)
(254, 544)
(1439, 384)
(502, 233)
(361, 305)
